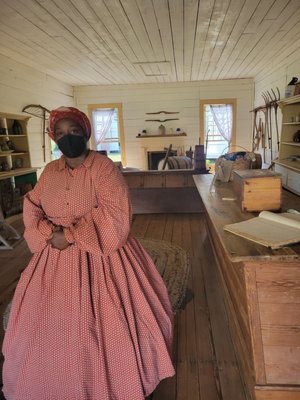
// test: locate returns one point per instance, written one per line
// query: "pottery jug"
(161, 130)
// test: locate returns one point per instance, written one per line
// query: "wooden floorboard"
(204, 358)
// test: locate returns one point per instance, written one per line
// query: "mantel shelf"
(167, 135)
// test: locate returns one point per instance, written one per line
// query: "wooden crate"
(258, 189)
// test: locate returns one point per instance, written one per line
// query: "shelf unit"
(16, 173)
(288, 163)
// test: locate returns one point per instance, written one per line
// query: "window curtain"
(102, 120)
(222, 115)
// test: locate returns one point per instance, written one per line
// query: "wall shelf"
(167, 135)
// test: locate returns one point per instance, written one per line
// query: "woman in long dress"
(91, 318)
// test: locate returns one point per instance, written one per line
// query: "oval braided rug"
(173, 265)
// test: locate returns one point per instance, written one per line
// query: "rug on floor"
(173, 264)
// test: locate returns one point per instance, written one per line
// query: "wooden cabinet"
(288, 163)
(16, 173)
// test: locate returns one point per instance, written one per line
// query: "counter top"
(221, 212)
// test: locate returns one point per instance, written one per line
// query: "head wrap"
(70, 113)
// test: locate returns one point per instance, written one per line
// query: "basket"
(227, 163)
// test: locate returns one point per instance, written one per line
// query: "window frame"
(203, 103)
(119, 106)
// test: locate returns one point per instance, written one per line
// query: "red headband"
(70, 113)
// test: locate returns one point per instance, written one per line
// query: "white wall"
(20, 86)
(137, 100)
(279, 78)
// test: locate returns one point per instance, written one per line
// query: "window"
(217, 126)
(108, 135)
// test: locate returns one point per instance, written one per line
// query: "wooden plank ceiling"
(84, 42)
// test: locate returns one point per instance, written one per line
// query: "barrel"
(177, 162)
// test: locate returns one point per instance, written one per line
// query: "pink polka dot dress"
(93, 321)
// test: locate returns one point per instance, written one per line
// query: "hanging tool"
(41, 112)
(275, 105)
(263, 140)
(267, 125)
(255, 130)
(162, 120)
(163, 112)
(257, 136)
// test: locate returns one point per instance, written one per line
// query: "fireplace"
(154, 157)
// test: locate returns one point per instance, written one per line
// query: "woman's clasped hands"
(58, 240)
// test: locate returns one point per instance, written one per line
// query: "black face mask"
(72, 146)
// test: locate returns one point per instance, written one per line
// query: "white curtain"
(222, 115)
(102, 120)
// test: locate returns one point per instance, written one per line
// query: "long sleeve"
(106, 227)
(38, 229)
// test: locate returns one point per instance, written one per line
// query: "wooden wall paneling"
(176, 8)
(205, 10)
(119, 14)
(149, 19)
(262, 40)
(190, 16)
(99, 18)
(285, 43)
(290, 55)
(161, 10)
(280, 39)
(228, 25)
(84, 37)
(236, 39)
(24, 51)
(36, 37)
(255, 324)
(215, 24)
(243, 48)
(255, 26)
(139, 26)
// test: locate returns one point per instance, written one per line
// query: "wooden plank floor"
(204, 358)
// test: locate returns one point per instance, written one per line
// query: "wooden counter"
(262, 294)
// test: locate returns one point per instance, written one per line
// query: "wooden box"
(258, 189)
